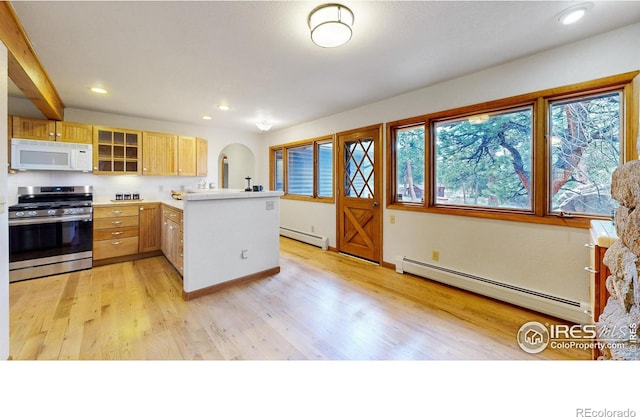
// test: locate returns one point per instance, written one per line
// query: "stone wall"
(617, 325)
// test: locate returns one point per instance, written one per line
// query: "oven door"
(46, 246)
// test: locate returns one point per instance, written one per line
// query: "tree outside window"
(585, 148)
(484, 160)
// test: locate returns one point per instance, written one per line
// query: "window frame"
(627, 83)
(315, 143)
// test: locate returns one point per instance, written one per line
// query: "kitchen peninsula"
(229, 236)
(214, 238)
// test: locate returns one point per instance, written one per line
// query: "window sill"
(582, 222)
(326, 200)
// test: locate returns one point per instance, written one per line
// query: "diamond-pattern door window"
(358, 169)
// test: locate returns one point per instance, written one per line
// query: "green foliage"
(486, 161)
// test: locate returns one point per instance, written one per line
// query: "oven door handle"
(44, 220)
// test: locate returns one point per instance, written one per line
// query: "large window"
(304, 170)
(484, 160)
(544, 157)
(585, 138)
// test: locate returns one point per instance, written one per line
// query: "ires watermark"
(605, 412)
(534, 337)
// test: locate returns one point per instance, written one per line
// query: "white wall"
(4, 245)
(541, 257)
(150, 187)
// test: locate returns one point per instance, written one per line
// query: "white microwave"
(47, 155)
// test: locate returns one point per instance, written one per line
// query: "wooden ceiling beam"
(25, 69)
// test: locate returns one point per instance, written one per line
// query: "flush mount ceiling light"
(264, 125)
(205, 117)
(223, 107)
(330, 25)
(574, 13)
(98, 90)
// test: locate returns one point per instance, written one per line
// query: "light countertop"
(221, 194)
(168, 201)
(603, 233)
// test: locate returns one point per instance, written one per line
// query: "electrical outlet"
(313, 229)
(392, 219)
(435, 255)
(245, 253)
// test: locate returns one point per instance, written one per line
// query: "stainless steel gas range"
(50, 231)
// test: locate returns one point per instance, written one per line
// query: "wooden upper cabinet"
(159, 154)
(37, 129)
(116, 151)
(186, 156)
(40, 129)
(74, 132)
(202, 157)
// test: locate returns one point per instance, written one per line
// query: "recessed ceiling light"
(99, 90)
(574, 13)
(206, 117)
(224, 107)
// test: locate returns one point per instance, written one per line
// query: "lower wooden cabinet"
(149, 231)
(137, 230)
(115, 231)
(172, 237)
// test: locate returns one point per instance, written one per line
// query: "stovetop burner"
(52, 202)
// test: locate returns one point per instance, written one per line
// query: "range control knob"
(19, 214)
(32, 213)
(51, 212)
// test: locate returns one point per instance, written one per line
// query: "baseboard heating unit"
(310, 238)
(571, 310)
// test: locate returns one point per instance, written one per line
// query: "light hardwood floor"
(322, 305)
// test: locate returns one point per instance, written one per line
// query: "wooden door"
(159, 154)
(74, 132)
(149, 233)
(202, 157)
(186, 156)
(359, 196)
(38, 129)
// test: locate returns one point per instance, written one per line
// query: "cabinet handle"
(117, 212)
(590, 269)
(50, 133)
(116, 243)
(117, 222)
(59, 134)
(116, 233)
(589, 245)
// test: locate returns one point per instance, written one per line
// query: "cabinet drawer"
(115, 233)
(112, 248)
(115, 211)
(172, 215)
(119, 222)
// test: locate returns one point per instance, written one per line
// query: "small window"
(278, 170)
(300, 172)
(409, 143)
(585, 142)
(484, 160)
(304, 169)
(325, 169)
